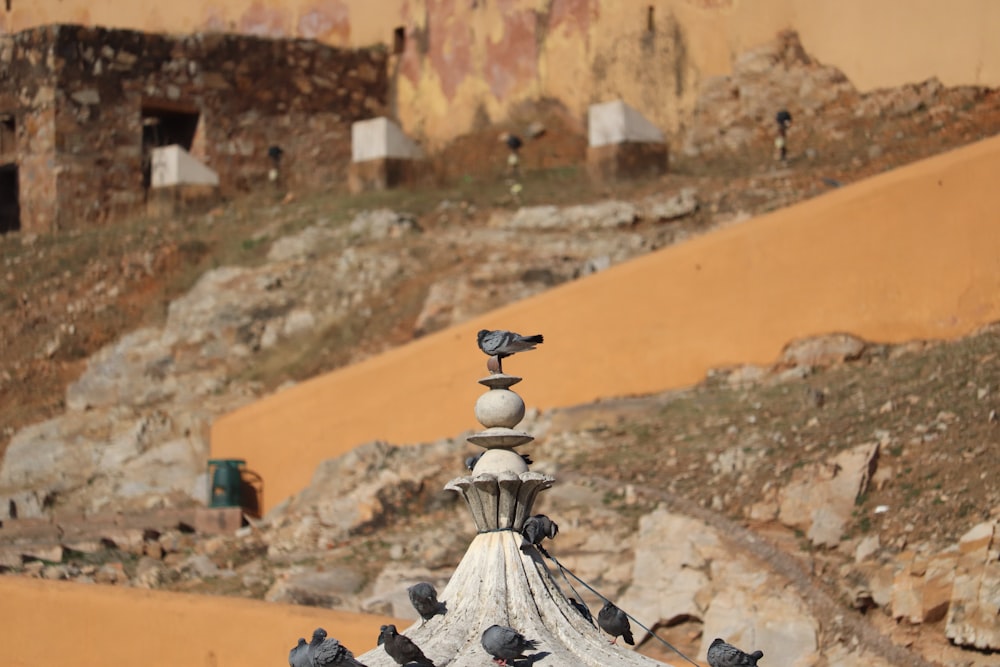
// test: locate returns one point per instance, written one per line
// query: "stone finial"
(499, 581)
(501, 490)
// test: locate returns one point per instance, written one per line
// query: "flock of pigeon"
(502, 643)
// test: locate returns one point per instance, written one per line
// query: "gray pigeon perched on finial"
(537, 528)
(424, 598)
(721, 654)
(401, 648)
(615, 622)
(505, 643)
(501, 344)
(325, 652)
(299, 655)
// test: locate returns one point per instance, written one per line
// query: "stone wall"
(28, 83)
(85, 97)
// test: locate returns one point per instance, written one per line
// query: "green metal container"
(226, 480)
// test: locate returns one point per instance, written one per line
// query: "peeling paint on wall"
(328, 21)
(573, 17)
(513, 60)
(263, 20)
(450, 45)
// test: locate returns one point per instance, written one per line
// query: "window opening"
(10, 208)
(398, 40)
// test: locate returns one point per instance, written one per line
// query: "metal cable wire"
(565, 570)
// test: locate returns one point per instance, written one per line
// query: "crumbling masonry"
(82, 108)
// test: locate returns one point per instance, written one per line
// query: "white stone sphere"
(497, 461)
(500, 407)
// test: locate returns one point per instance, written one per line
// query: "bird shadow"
(530, 659)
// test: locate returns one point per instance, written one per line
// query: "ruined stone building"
(447, 68)
(81, 109)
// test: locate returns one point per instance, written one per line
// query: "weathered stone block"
(381, 137)
(173, 166)
(218, 520)
(615, 122)
(975, 601)
(613, 162)
(169, 201)
(384, 173)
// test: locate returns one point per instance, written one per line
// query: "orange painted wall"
(54, 624)
(910, 254)
(464, 59)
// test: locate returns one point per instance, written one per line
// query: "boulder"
(331, 588)
(821, 351)
(682, 204)
(820, 497)
(922, 589)
(685, 568)
(975, 602)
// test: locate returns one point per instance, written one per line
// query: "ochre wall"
(53, 624)
(910, 254)
(469, 59)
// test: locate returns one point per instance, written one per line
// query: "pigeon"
(471, 461)
(615, 622)
(537, 528)
(721, 654)
(583, 609)
(502, 344)
(299, 656)
(423, 597)
(401, 648)
(505, 643)
(325, 652)
(513, 141)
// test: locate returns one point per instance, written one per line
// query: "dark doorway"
(165, 125)
(399, 40)
(10, 208)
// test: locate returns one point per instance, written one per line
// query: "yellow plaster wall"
(53, 624)
(910, 254)
(464, 59)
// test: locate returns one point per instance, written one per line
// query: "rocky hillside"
(840, 507)
(119, 346)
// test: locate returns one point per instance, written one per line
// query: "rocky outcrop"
(140, 412)
(673, 568)
(975, 589)
(684, 570)
(135, 431)
(820, 497)
(738, 109)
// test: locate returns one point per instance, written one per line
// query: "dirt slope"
(129, 626)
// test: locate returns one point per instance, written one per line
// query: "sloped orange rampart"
(49, 624)
(910, 254)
